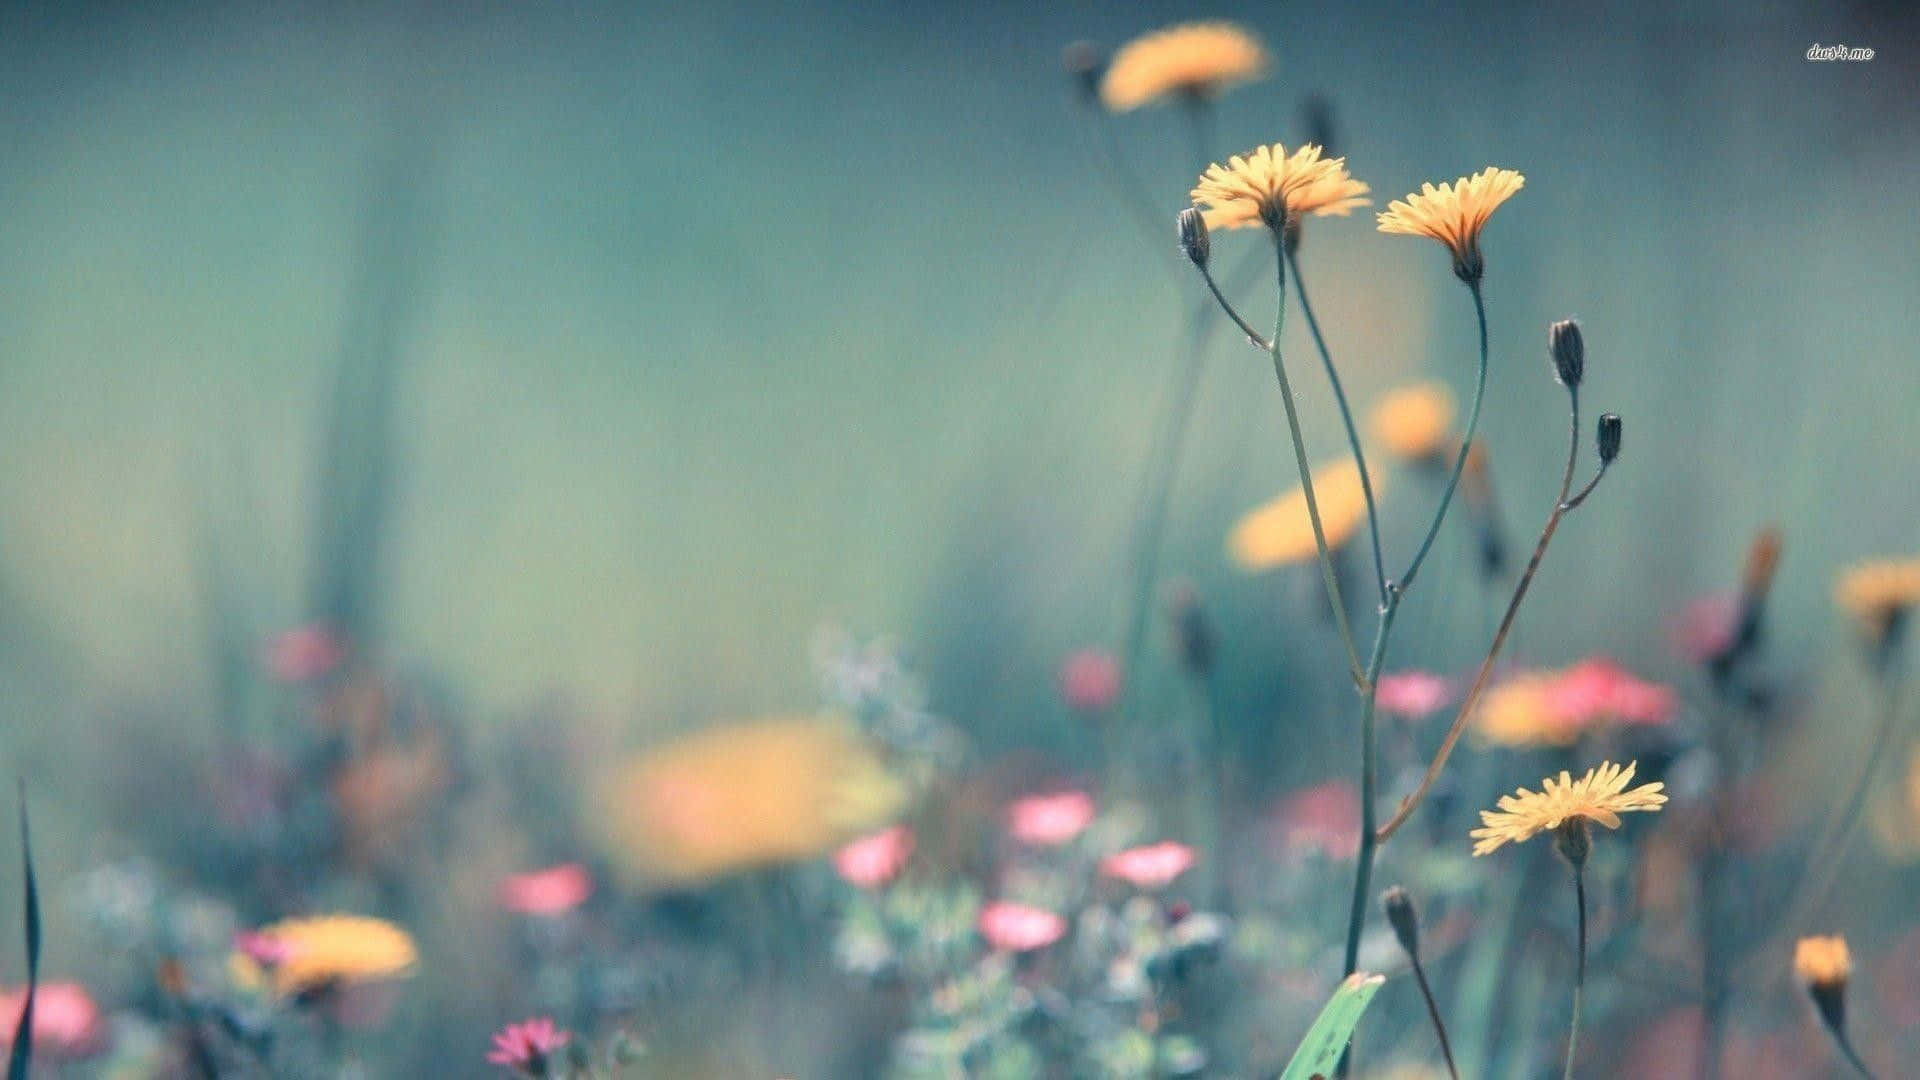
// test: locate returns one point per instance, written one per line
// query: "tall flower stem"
(1580, 968)
(1433, 1013)
(1327, 574)
(1466, 445)
(1346, 418)
(1851, 1055)
(1561, 507)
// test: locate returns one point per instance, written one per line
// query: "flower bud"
(1823, 965)
(1403, 918)
(1085, 63)
(1195, 241)
(1609, 437)
(1569, 352)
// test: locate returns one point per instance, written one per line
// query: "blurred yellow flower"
(1454, 214)
(1280, 532)
(300, 955)
(1876, 592)
(1521, 712)
(1414, 422)
(1822, 962)
(1600, 797)
(744, 795)
(1199, 60)
(1268, 184)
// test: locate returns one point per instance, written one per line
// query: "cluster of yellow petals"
(1267, 185)
(1875, 592)
(1200, 60)
(744, 795)
(1414, 423)
(331, 950)
(1280, 532)
(1454, 213)
(1600, 797)
(1822, 961)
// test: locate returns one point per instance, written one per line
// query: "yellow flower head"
(1822, 962)
(1413, 422)
(1454, 214)
(1600, 796)
(1268, 185)
(744, 795)
(1200, 60)
(328, 950)
(1876, 593)
(1520, 712)
(1280, 532)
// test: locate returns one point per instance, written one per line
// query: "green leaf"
(1327, 1039)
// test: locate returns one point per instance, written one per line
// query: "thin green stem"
(1433, 1013)
(1346, 418)
(1369, 782)
(1830, 850)
(1466, 444)
(1580, 968)
(1253, 336)
(1853, 1056)
(1306, 476)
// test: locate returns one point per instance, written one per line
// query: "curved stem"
(1466, 444)
(1580, 969)
(1306, 475)
(1831, 848)
(1561, 508)
(1346, 417)
(1853, 1056)
(1433, 1013)
(1253, 336)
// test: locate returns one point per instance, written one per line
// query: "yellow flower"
(1599, 797)
(1822, 962)
(1280, 532)
(1520, 712)
(1199, 60)
(1877, 592)
(1267, 185)
(744, 795)
(1413, 422)
(327, 950)
(1454, 214)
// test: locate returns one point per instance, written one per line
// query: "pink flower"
(1151, 867)
(1703, 630)
(266, 950)
(304, 653)
(1598, 688)
(1323, 819)
(1413, 694)
(527, 1045)
(67, 1024)
(1050, 820)
(553, 891)
(1090, 680)
(1011, 927)
(872, 861)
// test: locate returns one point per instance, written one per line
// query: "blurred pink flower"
(1413, 694)
(553, 891)
(1090, 680)
(67, 1024)
(1011, 927)
(872, 861)
(1151, 867)
(527, 1045)
(1598, 688)
(304, 653)
(263, 949)
(1050, 820)
(1703, 630)
(1323, 819)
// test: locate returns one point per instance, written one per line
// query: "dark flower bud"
(1572, 840)
(1609, 437)
(1316, 114)
(1403, 918)
(1193, 638)
(1195, 242)
(1568, 351)
(1085, 63)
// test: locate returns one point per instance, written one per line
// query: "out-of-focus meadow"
(654, 446)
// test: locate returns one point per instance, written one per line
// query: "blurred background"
(580, 362)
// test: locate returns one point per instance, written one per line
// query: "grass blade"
(1319, 1053)
(22, 1053)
